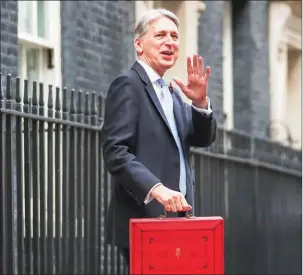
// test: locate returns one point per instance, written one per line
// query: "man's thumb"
(179, 82)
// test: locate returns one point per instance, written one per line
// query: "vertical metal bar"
(35, 171)
(50, 214)
(112, 256)
(101, 176)
(3, 210)
(79, 183)
(73, 188)
(94, 197)
(99, 165)
(58, 183)
(99, 205)
(8, 222)
(19, 174)
(119, 263)
(87, 189)
(104, 198)
(65, 187)
(11, 176)
(42, 180)
(1, 94)
(27, 183)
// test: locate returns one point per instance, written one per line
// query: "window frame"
(48, 47)
(227, 54)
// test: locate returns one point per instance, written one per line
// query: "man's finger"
(200, 67)
(185, 205)
(179, 82)
(189, 66)
(207, 73)
(179, 204)
(182, 86)
(167, 207)
(195, 64)
(172, 205)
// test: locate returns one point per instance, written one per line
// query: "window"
(39, 42)
(32, 18)
(285, 72)
(39, 38)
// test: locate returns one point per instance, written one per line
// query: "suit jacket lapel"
(178, 118)
(150, 89)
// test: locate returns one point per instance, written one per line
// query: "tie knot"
(161, 82)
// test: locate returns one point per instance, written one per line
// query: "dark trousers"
(125, 251)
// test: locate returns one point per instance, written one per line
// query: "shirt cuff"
(207, 111)
(148, 197)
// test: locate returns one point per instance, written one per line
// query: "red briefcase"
(190, 245)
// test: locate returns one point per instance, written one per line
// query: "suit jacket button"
(177, 166)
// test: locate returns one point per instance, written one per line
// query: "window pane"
(41, 18)
(32, 67)
(24, 16)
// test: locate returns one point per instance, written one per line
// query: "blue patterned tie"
(167, 105)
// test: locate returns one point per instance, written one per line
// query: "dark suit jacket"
(140, 150)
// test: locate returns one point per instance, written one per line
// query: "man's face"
(160, 46)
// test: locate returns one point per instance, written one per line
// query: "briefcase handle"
(187, 215)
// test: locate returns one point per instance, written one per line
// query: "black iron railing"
(55, 189)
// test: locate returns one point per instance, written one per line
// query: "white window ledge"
(292, 39)
(34, 41)
(292, 33)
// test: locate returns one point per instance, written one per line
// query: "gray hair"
(145, 21)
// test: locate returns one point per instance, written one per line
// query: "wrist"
(156, 190)
(202, 104)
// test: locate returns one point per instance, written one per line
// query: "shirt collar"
(153, 76)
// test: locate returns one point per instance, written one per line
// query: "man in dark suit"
(148, 130)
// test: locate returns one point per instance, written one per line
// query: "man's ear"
(138, 45)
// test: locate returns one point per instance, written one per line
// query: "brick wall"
(96, 42)
(8, 37)
(210, 48)
(250, 62)
(251, 67)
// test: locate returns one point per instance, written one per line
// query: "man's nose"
(169, 40)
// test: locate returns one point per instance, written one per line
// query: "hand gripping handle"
(164, 216)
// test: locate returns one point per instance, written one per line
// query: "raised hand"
(196, 89)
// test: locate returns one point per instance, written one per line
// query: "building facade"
(252, 47)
